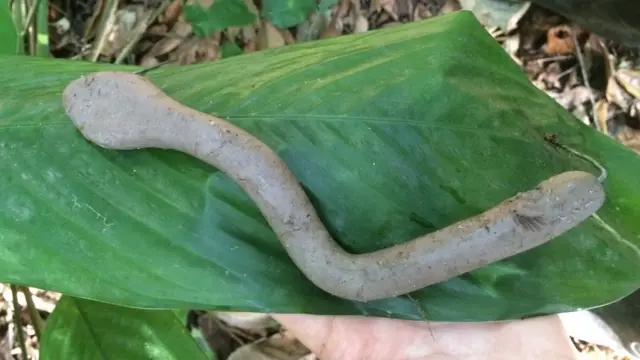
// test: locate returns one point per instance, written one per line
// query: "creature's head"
(113, 109)
(564, 200)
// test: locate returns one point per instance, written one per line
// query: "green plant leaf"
(230, 48)
(8, 32)
(287, 13)
(393, 133)
(325, 5)
(84, 329)
(221, 15)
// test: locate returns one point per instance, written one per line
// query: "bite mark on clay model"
(125, 111)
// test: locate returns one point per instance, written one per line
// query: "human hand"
(360, 338)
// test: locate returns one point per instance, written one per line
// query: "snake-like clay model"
(121, 110)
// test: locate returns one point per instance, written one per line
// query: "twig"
(554, 58)
(36, 320)
(17, 321)
(140, 29)
(105, 26)
(585, 79)
(152, 67)
(28, 21)
(568, 71)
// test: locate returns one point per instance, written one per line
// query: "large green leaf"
(83, 329)
(393, 133)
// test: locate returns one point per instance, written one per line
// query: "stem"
(36, 320)
(17, 320)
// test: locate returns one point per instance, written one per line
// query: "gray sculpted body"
(119, 110)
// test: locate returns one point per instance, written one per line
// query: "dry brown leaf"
(551, 76)
(329, 32)
(232, 32)
(617, 95)
(375, 6)
(249, 33)
(403, 9)
(573, 98)
(287, 36)
(269, 37)
(251, 322)
(249, 46)
(126, 20)
(630, 137)
(354, 5)
(173, 11)
(603, 113)
(198, 50)
(282, 346)
(158, 30)
(513, 21)
(635, 110)
(390, 7)
(309, 356)
(511, 45)
(335, 26)
(361, 24)
(343, 9)
(449, 7)
(421, 12)
(178, 35)
(90, 24)
(630, 81)
(220, 338)
(391, 24)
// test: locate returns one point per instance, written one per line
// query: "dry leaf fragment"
(421, 12)
(287, 36)
(269, 36)
(277, 347)
(329, 32)
(617, 95)
(251, 322)
(404, 9)
(90, 24)
(158, 30)
(172, 12)
(198, 50)
(361, 24)
(449, 7)
(123, 28)
(603, 112)
(511, 45)
(178, 34)
(513, 21)
(249, 46)
(390, 7)
(630, 137)
(573, 98)
(630, 81)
